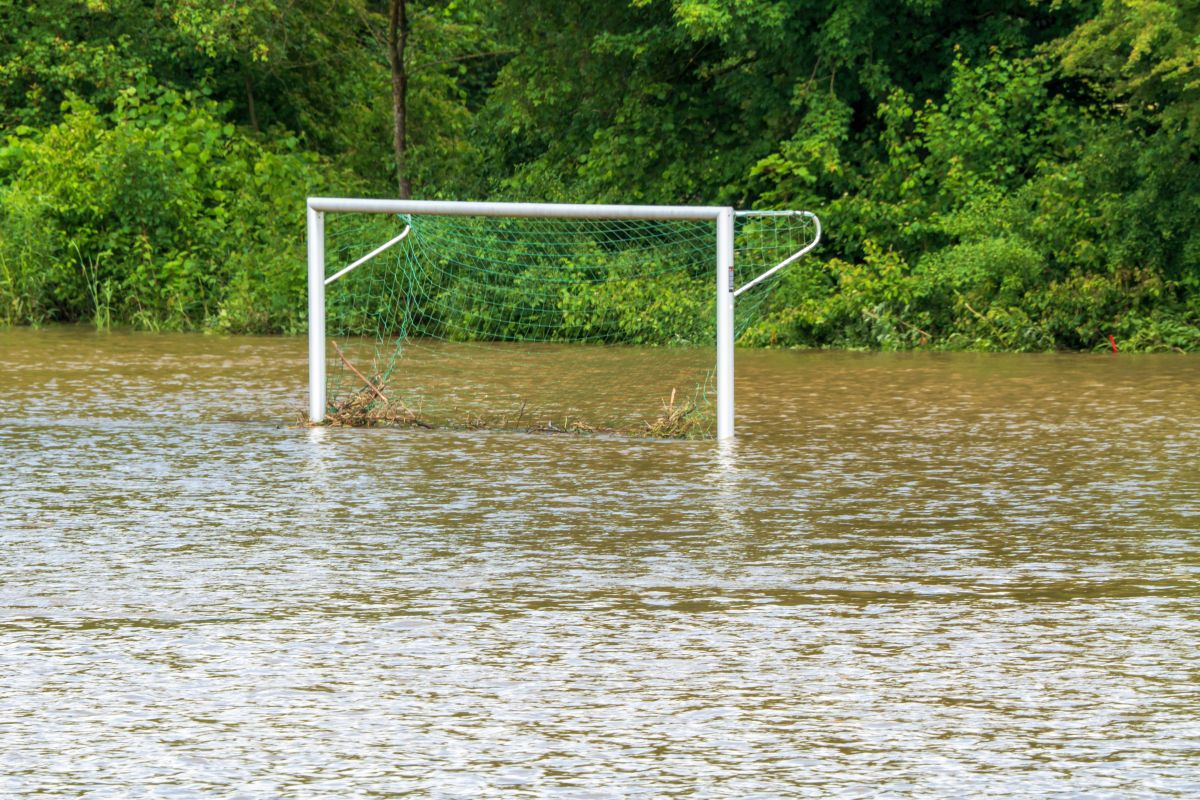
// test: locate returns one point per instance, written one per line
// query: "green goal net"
(550, 324)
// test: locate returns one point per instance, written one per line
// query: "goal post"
(724, 219)
(724, 239)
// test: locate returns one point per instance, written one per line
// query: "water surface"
(912, 575)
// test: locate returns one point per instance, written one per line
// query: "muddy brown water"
(913, 575)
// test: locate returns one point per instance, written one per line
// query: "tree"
(1145, 53)
(397, 46)
(426, 48)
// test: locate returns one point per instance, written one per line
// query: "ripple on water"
(927, 576)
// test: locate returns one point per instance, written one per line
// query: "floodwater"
(912, 575)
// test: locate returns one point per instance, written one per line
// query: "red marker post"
(1113, 342)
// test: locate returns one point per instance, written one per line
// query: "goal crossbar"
(722, 216)
(556, 210)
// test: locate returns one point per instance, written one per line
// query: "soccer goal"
(489, 287)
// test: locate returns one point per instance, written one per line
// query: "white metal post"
(725, 221)
(316, 315)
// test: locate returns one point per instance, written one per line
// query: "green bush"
(157, 215)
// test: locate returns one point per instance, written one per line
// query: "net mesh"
(554, 324)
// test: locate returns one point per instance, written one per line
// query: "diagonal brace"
(801, 252)
(368, 256)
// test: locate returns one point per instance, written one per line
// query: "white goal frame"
(723, 217)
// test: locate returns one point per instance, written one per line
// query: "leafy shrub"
(181, 219)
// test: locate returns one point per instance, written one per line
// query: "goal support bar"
(722, 216)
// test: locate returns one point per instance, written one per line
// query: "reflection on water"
(911, 575)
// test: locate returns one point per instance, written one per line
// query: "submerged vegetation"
(1024, 177)
(371, 404)
(372, 407)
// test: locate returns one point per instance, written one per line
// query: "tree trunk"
(397, 41)
(250, 100)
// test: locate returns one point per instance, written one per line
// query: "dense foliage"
(1019, 175)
